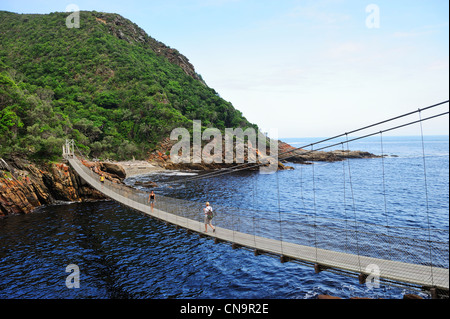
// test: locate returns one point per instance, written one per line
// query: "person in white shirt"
(208, 217)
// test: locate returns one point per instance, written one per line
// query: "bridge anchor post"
(362, 278)
(433, 293)
(284, 259)
(319, 268)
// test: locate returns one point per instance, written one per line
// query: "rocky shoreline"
(25, 186)
(286, 153)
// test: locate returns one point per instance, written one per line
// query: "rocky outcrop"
(25, 186)
(113, 169)
(331, 156)
(113, 172)
(288, 153)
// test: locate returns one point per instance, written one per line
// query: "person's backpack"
(210, 213)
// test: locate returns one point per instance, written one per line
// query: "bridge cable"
(314, 207)
(279, 215)
(301, 187)
(345, 202)
(384, 194)
(235, 168)
(354, 207)
(426, 197)
(233, 222)
(254, 209)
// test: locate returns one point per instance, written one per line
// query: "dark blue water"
(125, 254)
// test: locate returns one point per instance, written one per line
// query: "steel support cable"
(279, 216)
(372, 134)
(237, 169)
(314, 208)
(245, 166)
(301, 188)
(354, 209)
(254, 212)
(384, 194)
(345, 202)
(426, 198)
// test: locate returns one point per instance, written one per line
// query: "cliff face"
(25, 186)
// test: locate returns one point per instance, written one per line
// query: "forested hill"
(108, 85)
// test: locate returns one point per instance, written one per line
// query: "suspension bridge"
(323, 243)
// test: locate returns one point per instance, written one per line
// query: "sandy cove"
(134, 168)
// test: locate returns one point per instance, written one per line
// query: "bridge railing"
(358, 238)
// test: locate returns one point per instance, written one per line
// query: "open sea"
(125, 254)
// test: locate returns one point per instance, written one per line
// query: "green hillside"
(108, 85)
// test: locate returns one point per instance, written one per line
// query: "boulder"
(114, 169)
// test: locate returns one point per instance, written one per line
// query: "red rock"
(47, 184)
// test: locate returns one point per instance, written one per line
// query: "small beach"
(135, 168)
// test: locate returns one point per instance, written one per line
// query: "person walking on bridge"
(102, 179)
(208, 217)
(151, 200)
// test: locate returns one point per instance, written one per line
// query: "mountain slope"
(108, 85)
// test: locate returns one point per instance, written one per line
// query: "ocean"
(121, 253)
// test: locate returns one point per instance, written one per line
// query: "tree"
(107, 100)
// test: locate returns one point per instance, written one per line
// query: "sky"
(303, 68)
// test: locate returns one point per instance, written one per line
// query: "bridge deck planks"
(426, 276)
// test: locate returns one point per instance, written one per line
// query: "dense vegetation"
(109, 86)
